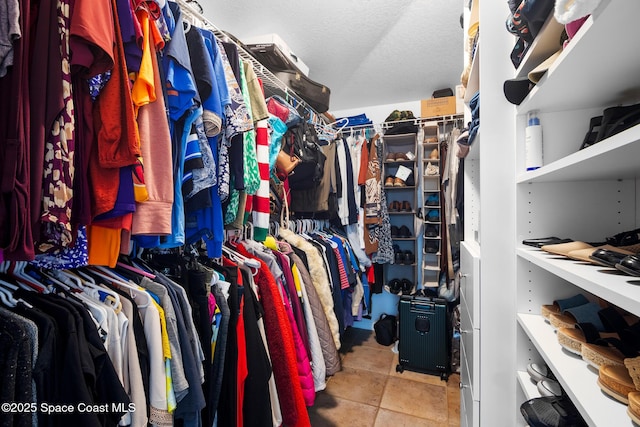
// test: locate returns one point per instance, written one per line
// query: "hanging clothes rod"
(454, 118)
(269, 80)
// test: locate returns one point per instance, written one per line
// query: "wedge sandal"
(562, 304)
(585, 313)
(572, 339)
(634, 406)
(619, 381)
(611, 324)
(611, 351)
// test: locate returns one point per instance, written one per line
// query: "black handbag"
(386, 329)
(301, 141)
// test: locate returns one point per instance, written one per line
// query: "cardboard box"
(438, 106)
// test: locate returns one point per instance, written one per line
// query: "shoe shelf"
(575, 376)
(598, 49)
(474, 150)
(528, 387)
(398, 162)
(405, 194)
(398, 187)
(622, 291)
(613, 158)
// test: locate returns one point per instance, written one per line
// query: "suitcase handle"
(422, 307)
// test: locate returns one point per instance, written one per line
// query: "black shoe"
(409, 258)
(394, 231)
(626, 238)
(407, 286)
(398, 257)
(404, 232)
(431, 247)
(630, 265)
(431, 231)
(395, 286)
(551, 411)
(607, 258)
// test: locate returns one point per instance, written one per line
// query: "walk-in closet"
(270, 214)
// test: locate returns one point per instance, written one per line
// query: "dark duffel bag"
(315, 94)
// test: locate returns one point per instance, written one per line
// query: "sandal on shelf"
(585, 313)
(634, 406)
(618, 119)
(606, 323)
(611, 351)
(541, 241)
(563, 249)
(592, 135)
(619, 381)
(572, 339)
(562, 304)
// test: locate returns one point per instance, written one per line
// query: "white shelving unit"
(585, 195)
(528, 387)
(403, 143)
(577, 378)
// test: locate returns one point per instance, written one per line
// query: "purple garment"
(132, 51)
(125, 202)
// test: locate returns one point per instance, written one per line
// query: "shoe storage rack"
(584, 195)
(399, 152)
(431, 210)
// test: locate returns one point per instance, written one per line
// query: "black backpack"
(302, 141)
(386, 329)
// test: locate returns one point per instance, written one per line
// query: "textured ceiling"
(368, 52)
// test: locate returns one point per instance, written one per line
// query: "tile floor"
(368, 392)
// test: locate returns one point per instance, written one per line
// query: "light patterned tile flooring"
(368, 392)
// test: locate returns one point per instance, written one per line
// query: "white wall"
(377, 113)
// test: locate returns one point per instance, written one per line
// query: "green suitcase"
(424, 336)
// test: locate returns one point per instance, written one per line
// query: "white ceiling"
(368, 52)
